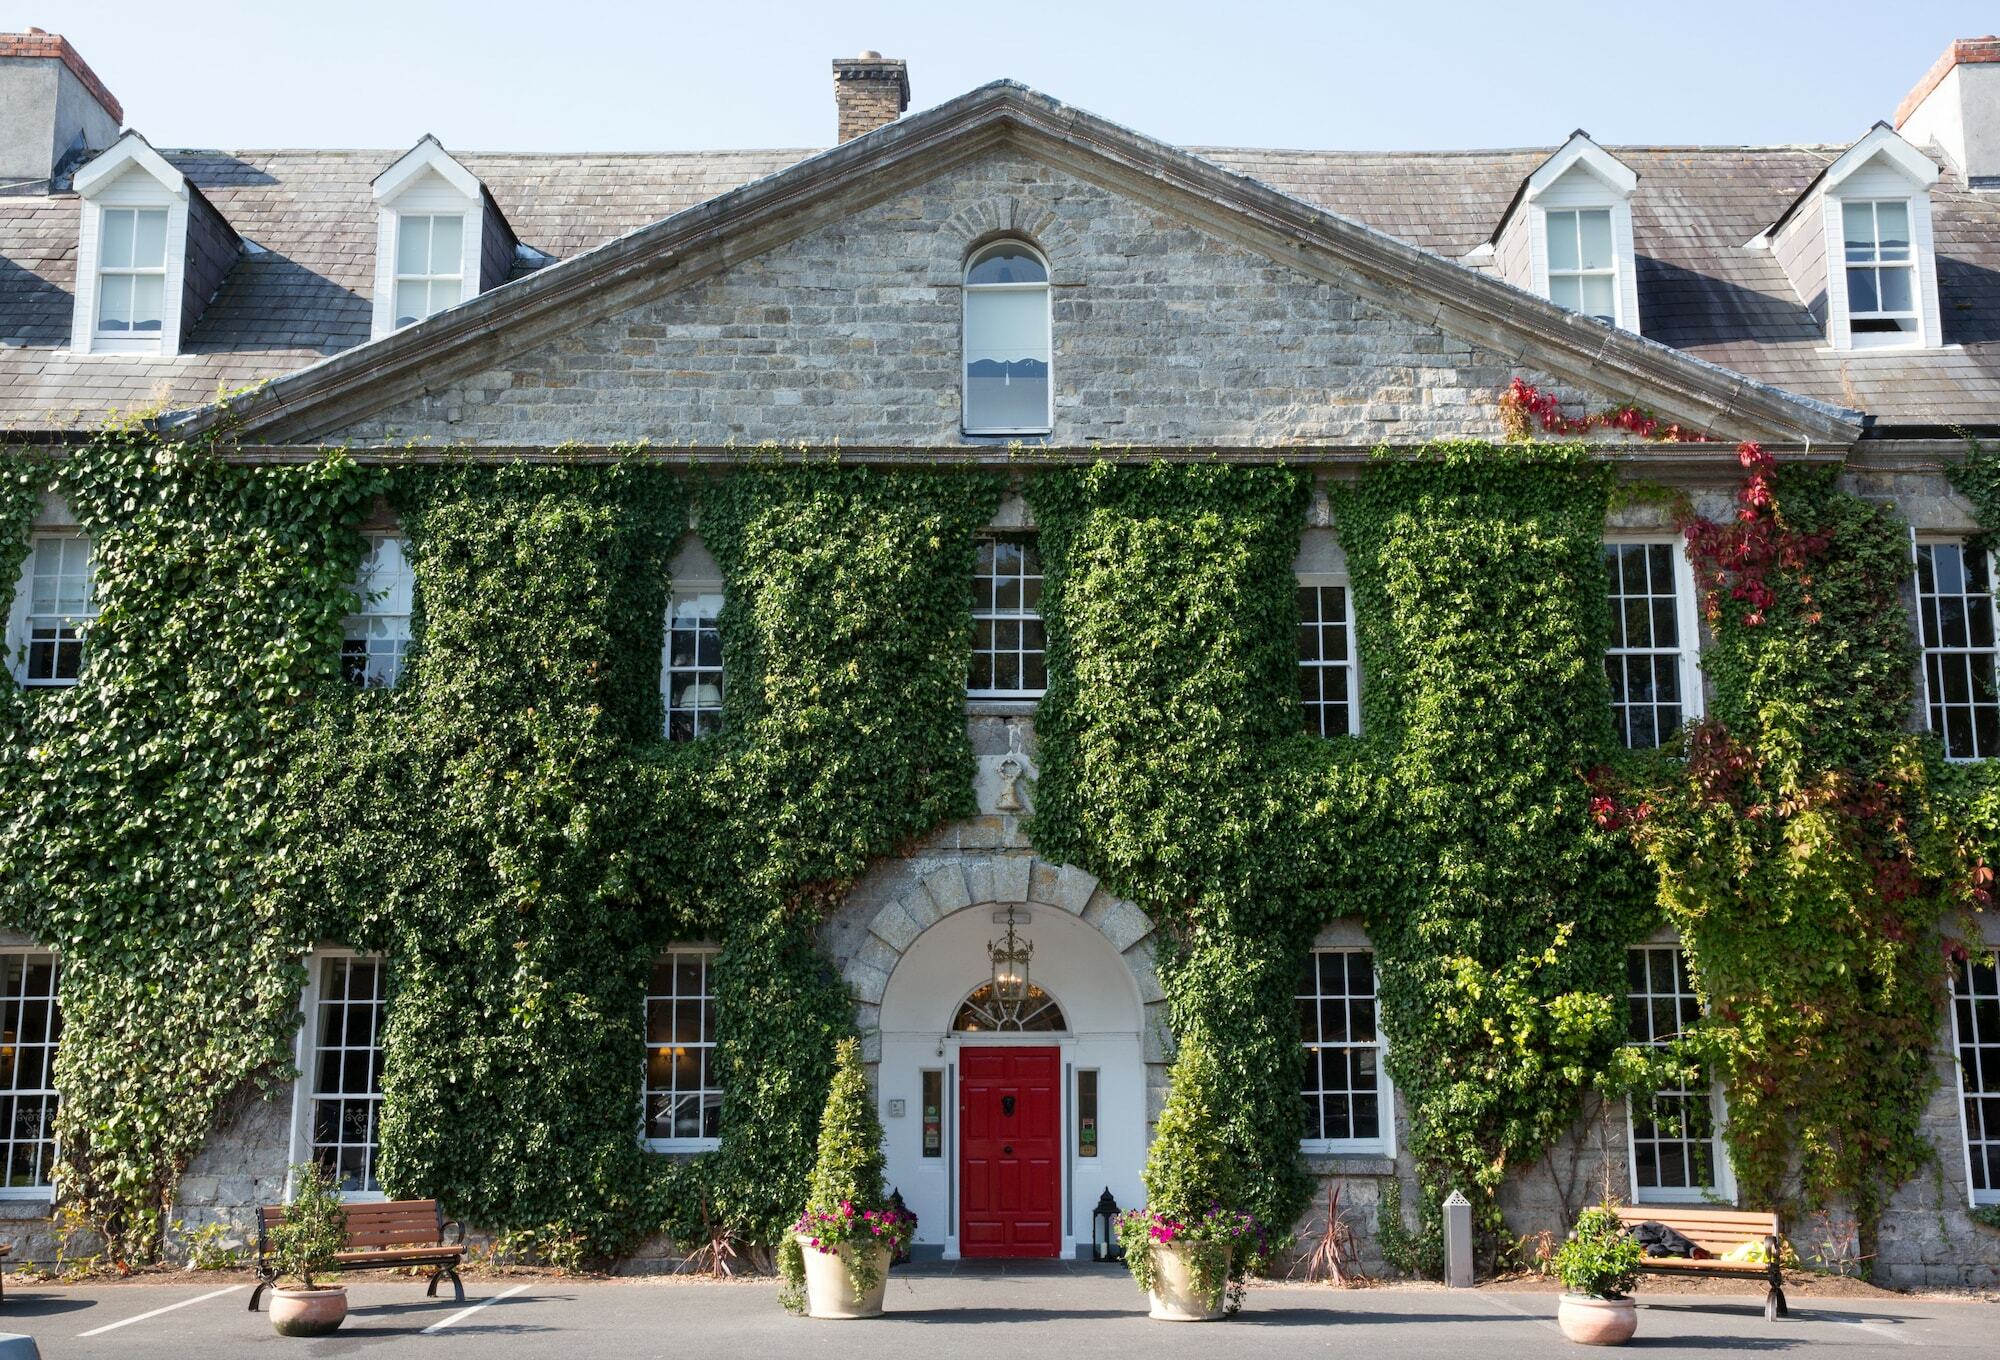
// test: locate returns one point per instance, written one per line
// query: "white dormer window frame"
(119, 191)
(1580, 180)
(411, 196)
(1880, 172)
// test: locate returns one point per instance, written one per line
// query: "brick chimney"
(868, 91)
(1957, 106)
(53, 110)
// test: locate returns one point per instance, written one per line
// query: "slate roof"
(306, 295)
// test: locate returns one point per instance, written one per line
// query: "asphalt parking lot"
(1051, 1311)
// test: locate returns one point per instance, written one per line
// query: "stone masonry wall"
(852, 333)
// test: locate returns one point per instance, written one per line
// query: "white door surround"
(1093, 954)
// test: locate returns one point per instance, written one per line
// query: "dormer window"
(440, 238)
(1856, 244)
(1583, 268)
(132, 272)
(1881, 272)
(151, 252)
(1568, 234)
(430, 264)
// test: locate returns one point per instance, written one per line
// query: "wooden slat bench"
(1717, 1231)
(383, 1236)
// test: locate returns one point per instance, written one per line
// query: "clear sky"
(557, 75)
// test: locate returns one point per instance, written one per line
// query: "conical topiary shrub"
(1194, 1183)
(847, 1213)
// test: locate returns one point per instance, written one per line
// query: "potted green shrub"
(1190, 1247)
(836, 1258)
(1598, 1265)
(303, 1246)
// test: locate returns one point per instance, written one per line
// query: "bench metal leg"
(258, 1292)
(1774, 1303)
(446, 1273)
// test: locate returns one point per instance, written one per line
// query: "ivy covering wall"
(508, 826)
(138, 805)
(1456, 827)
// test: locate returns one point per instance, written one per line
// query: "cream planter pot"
(1174, 1296)
(830, 1289)
(1597, 1322)
(308, 1312)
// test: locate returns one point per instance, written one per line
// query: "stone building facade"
(1234, 305)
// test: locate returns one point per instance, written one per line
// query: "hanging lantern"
(1010, 968)
(1104, 1244)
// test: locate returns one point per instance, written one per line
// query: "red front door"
(1010, 1121)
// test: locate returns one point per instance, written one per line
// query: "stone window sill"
(1000, 708)
(1350, 1164)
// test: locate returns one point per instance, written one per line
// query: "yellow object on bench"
(1720, 1233)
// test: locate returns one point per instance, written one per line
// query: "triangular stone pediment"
(822, 304)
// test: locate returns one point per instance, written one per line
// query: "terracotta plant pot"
(1174, 1296)
(308, 1312)
(1597, 1322)
(830, 1289)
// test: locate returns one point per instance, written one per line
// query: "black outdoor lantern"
(1104, 1229)
(902, 1257)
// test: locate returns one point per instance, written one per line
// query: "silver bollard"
(1458, 1240)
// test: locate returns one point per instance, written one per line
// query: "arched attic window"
(1007, 341)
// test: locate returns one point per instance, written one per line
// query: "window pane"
(114, 303)
(1893, 286)
(149, 239)
(1007, 326)
(1562, 240)
(1006, 360)
(1861, 295)
(1858, 225)
(1566, 290)
(148, 301)
(413, 245)
(444, 293)
(1595, 228)
(116, 248)
(1598, 299)
(412, 300)
(447, 233)
(1892, 229)
(1006, 264)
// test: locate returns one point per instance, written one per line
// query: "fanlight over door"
(985, 1012)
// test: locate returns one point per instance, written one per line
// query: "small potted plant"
(836, 1258)
(303, 1247)
(1190, 1247)
(1598, 1265)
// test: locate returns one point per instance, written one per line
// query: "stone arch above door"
(989, 882)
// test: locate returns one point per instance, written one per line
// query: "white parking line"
(464, 1313)
(1484, 1297)
(184, 1303)
(1873, 1328)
